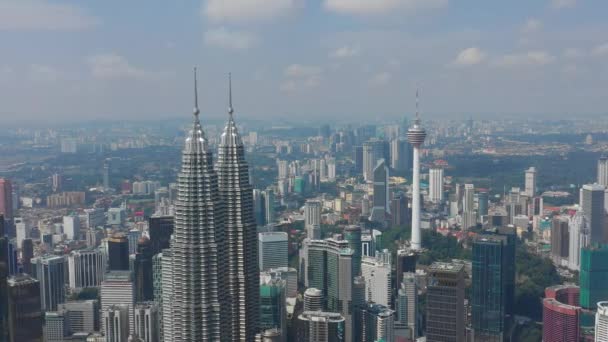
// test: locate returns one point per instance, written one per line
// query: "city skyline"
(545, 58)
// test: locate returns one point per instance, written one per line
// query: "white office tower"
(146, 320)
(198, 252)
(530, 186)
(312, 219)
(22, 231)
(415, 136)
(601, 322)
(268, 196)
(407, 306)
(116, 325)
(313, 299)
(320, 326)
(55, 327)
(133, 237)
(166, 295)
(290, 275)
(602, 171)
(436, 185)
(86, 268)
(117, 289)
(593, 197)
(331, 170)
(378, 323)
(272, 250)
(469, 218)
(50, 271)
(400, 154)
(282, 168)
(377, 274)
(577, 227)
(71, 227)
(373, 150)
(235, 192)
(380, 202)
(81, 316)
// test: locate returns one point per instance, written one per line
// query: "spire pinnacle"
(196, 111)
(230, 108)
(417, 106)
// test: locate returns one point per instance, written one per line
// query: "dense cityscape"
(303, 171)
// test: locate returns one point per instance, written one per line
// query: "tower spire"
(196, 111)
(417, 106)
(230, 108)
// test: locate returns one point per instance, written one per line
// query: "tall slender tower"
(197, 245)
(415, 136)
(243, 282)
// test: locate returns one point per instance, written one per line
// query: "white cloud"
(43, 15)
(248, 10)
(380, 79)
(572, 53)
(113, 66)
(600, 50)
(563, 3)
(300, 76)
(525, 59)
(344, 52)
(237, 40)
(367, 7)
(532, 25)
(470, 56)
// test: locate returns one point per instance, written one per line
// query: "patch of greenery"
(441, 248)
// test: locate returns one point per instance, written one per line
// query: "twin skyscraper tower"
(211, 278)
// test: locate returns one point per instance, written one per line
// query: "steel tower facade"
(236, 193)
(197, 246)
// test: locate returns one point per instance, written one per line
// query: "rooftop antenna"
(196, 110)
(230, 109)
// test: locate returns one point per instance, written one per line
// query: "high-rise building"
(399, 210)
(117, 289)
(50, 271)
(6, 199)
(469, 218)
(560, 237)
(330, 269)
(240, 231)
(142, 271)
(268, 197)
(312, 219)
(377, 273)
(22, 231)
(358, 159)
(320, 326)
(273, 314)
(56, 180)
(489, 291)
(601, 322)
(593, 197)
(593, 276)
(24, 309)
(146, 321)
(118, 252)
(380, 206)
(160, 229)
(415, 136)
(561, 314)
(81, 316)
(576, 225)
(483, 200)
(86, 268)
(373, 150)
(55, 326)
(400, 155)
(106, 174)
(530, 186)
(352, 234)
(436, 185)
(116, 322)
(133, 237)
(71, 227)
(602, 171)
(165, 296)
(273, 248)
(196, 299)
(445, 311)
(4, 272)
(313, 299)
(95, 217)
(378, 323)
(407, 306)
(27, 253)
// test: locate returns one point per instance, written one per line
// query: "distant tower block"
(415, 136)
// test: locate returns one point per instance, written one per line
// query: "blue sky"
(316, 60)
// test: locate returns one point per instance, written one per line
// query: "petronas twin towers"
(214, 289)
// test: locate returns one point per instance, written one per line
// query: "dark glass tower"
(489, 287)
(236, 193)
(24, 309)
(118, 253)
(160, 228)
(352, 234)
(144, 286)
(197, 287)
